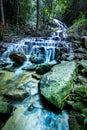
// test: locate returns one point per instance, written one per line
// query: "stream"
(33, 112)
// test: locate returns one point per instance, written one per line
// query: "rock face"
(18, 57)
(56, 85)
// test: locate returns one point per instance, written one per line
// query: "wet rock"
(21, 121)
(37, 76)
(2, 49)
(83, 63)
(79, 56)
(17, 57)
(16, 95)
(84, 41)
(30, 68)
(56, 85)
(37, 59)
(5, 108)
(42, 69)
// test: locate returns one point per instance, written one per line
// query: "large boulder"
(55, 85)
(17, 57)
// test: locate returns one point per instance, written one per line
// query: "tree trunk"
(3, 20)
(2, 15)
(18, 17)
(37, 22)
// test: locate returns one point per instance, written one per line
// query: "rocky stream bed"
(43, 84)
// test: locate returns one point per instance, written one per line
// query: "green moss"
(56, 85)
(78, 106)
(80, 27)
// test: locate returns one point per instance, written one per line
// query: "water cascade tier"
(33, 112)
(43, 49)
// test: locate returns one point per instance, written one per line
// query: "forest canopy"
(39, 13)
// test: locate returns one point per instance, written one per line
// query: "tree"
(2, 17)
(37, 22)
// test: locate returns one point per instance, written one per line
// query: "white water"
(31, 46)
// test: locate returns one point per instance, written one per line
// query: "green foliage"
(66, 10)
(85, 118)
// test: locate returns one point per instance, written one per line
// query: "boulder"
(42, 69)
(17, 57)
(16, 95)
(56, 85)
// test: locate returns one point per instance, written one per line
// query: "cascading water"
(47, 49)
(43, 50)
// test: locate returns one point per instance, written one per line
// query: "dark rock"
(16, 95)
(84, 41)
(17, 57)
(37, 76)
(5, 107)
(42, 69)
(2, 49)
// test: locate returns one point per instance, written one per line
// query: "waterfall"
(44, 49)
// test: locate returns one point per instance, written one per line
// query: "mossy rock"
(42, 69)
(56, 85)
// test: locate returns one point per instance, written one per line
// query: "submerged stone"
(55, 86)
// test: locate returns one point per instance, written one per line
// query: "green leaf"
(83, 115)
(85, 121)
